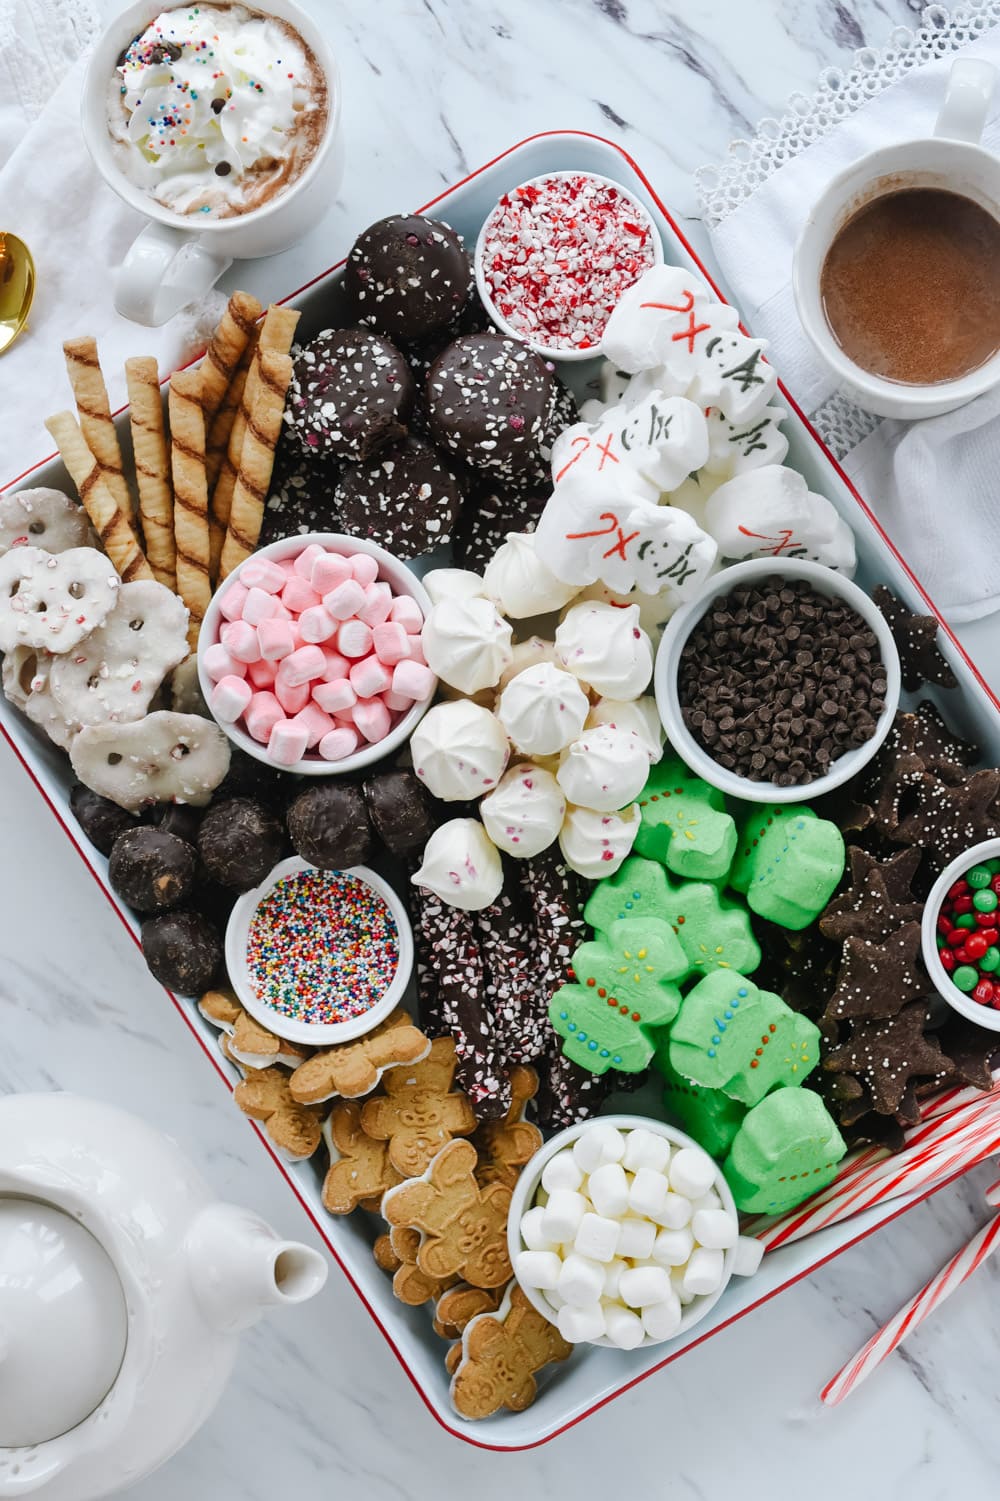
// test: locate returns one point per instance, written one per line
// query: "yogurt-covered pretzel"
(54, 600)
(163, 758)
(113, 675)
(43, 518)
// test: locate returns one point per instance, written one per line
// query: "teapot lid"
(63, 1322)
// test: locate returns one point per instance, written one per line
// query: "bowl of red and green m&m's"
(960, 934)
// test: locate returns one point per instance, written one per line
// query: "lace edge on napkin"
(39, 41)
(724, 187)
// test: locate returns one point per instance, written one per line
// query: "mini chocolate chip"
(218, 105)
(222, 169)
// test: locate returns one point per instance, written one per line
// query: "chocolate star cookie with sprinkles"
(876, 979)
(970, 1052)
(800, 966)
(886, 1053)
(916, 640)
(949, 820)
(878, 900)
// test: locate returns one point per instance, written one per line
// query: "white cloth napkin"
(78, 230)
(932, 484)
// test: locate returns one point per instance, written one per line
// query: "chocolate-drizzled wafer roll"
(152, 466)
(236, 327)
(187, 461)
(96, 424)
(217, 437)
(117, 537)
(263, 426)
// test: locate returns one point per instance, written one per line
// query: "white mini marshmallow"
(648, 1193)
(747, 1256)
(673, 1247)
(676, 1212)
(715, 1229)
(561, 1171)
(692, 1172)
(711, 1200)
(613, 1276)
(597, 1237)
(662, 1320)
(677, 1283)
(533, 1233)
(636, 1238)
(607, 1187)
(563, 1214)
(599, 1143)
(537, 1268)
(580, 1280)
(704, 1272)
(581, 1325)
(642, 1285)
(623, 1327)
(645, 1149)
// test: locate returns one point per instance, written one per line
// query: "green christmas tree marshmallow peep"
(684, 823)
(730, 1035)
(622, 991)
(788, 863)
(787, 1147)
(708, 1115)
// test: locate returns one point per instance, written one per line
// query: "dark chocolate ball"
(248, 777)
(99, 818)
(183, 951)
(328, 825)
(351, 393)
(487, 517)
(400, 810)
(407, 276)
(151, 870)
(178, 818)
(490, 402)
(406, 498)
(239, 842)
(300, 497)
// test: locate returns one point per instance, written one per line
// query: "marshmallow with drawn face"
(660, 440)
(735, 447)
(164, 758)
(43, 518)
(771, 512)
(54, 600)
(113, 675)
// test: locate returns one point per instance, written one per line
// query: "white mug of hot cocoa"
(896, 272)
(221, 124)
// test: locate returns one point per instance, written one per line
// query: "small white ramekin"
(983, 1016)
(825, 581)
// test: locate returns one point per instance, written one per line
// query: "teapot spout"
(239, 1267)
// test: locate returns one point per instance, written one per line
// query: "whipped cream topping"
(214, 109)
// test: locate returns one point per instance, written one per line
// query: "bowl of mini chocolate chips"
(779, 682)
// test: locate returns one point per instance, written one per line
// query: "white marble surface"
(319, 1405)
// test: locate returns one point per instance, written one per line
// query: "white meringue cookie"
(452, 583)
(654, 609)
(461, 866)
(596, 844)
(542, 709)
(605, 769)
(519, 583)
(459, 750)
(466, 643)
(606, 647)
(525, 813)
(527, 654)
(640, 715)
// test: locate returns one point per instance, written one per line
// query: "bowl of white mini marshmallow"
(623, 1232)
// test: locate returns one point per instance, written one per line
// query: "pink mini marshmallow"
(262, 716)
(259, 605)
(399, 703)
(344, 600)
(408, 613)
(415, 649)
(240, 640)
(364, 568)
(378, 603)
(230, 697)
(413, 679)
(317, 724)
(232, 601)
(335, 697)
(292, 700)
(329, 571)
(298, 595)
(336, 665)
(372, 718)
(390, 642)
(286, 743)
(261, 573)
(261, 674)
(341, 742)
(304, 664)
(220, 663)
(303, 564)
(316, 624)
(369, 677)
(354, 639)
(277, 639)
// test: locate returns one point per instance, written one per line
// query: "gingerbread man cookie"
(501, 1354)
(419, 1112)
(243, 1041)
(295, 1129)
(360, 1170)
(353, 1069)
(505, 1146)
(464, 1226)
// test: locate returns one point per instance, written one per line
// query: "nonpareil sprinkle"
(322, 948)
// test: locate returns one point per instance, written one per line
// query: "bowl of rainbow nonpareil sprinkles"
(319, 956)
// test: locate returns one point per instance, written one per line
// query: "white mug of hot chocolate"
(951, 160)
(185, 248)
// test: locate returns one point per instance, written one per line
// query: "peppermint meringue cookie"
(605, 769)
(640, 715)
(654, 609)
(461, 866)
(459, 750)
(596, 844)
(525, 812)
(452, 583)
(524, 654)
(606, 647)
(466, 643)
(542, 709)
(519, 583)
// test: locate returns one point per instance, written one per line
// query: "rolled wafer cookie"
(187, 460)
(110, 522)
(152, 466)
(276, 333)
(94, 409)
(225, 350)
(263, 426)
(217, 439)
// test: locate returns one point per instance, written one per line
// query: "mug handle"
(966, 100)
(154, 282)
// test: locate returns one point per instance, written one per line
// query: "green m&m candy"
(985, 901)
(965, 921)
(965, 977)
(994, 864)
(979, 876)
(990, 959)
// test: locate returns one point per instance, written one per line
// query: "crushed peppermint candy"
(558, 252)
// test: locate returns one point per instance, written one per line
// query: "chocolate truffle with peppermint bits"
(351, 393)
(407, 498)
(490, 401)
(407, 277)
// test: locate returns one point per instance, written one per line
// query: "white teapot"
(123, 1287)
